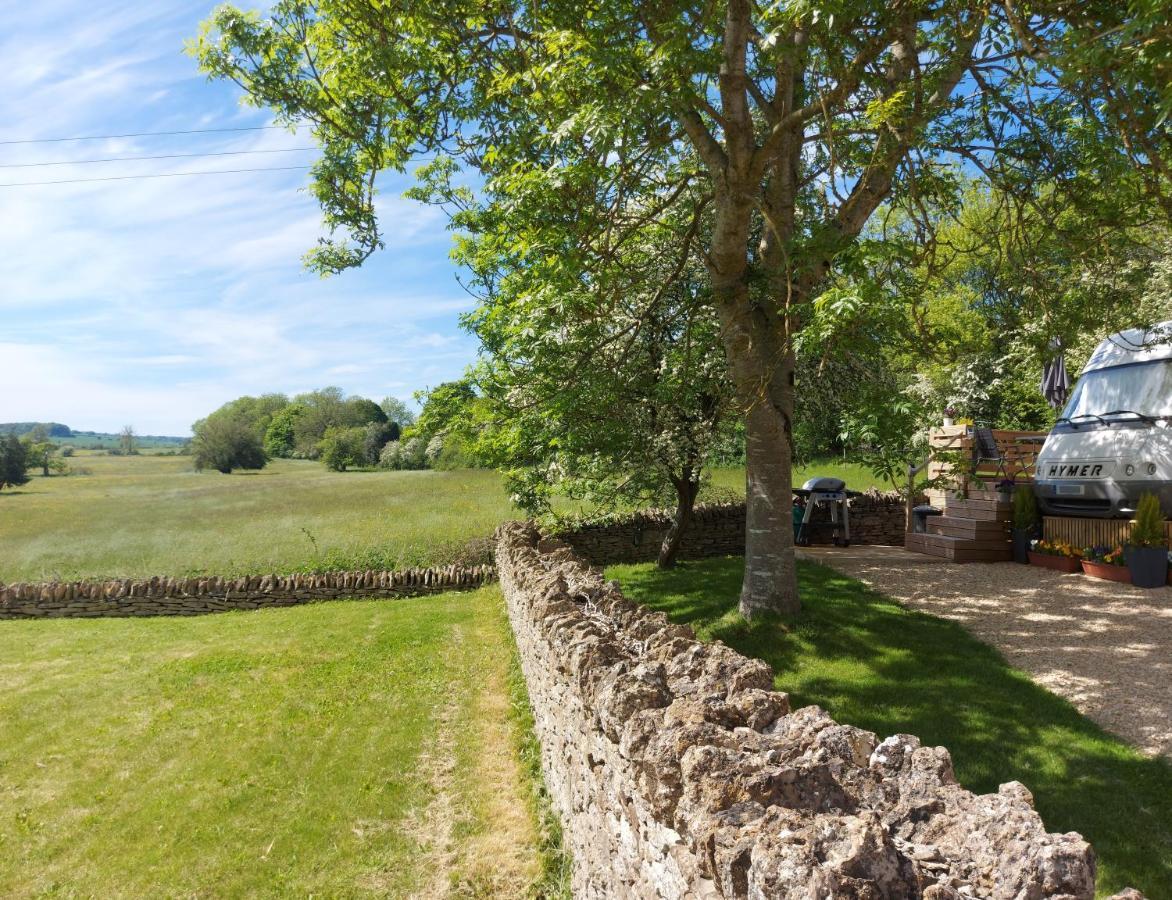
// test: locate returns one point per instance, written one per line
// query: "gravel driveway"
(1105, 647)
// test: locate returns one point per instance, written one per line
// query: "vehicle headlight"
(1151, 468)
(1129, 470)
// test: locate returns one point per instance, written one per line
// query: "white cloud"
(153, 301)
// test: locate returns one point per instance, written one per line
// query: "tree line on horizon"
(343, 432)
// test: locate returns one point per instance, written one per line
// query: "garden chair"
(985, 450)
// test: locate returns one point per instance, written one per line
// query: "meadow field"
(146, 515)
(342, 749)
(135, 516)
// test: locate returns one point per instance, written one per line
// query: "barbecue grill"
(831, 492)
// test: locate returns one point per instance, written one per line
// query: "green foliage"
(39, 455)
(1025, 508)
(280, 436)
(397, 411)
(257, 412)
(343, 448)
(48, 429)
(447, 433)
(1148, 528)
(325, 409)
(609, 388)
(444, 408)
(377, 435)
(364, 412)
(404, 455)
(13, 461)
(225, 441)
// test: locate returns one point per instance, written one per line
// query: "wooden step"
(987, 510)
(958, 549)
(989, 494)
(973, 529)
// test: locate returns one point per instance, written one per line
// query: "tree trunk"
(770, 584)
(761, 362)
(686, 491)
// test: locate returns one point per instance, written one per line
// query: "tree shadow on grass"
(873, 663)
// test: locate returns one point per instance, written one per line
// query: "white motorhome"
(1113, 441)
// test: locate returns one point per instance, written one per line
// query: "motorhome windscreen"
(1145, 388)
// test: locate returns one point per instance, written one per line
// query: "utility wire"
(104, 137)
(82, 162)
(163, 175)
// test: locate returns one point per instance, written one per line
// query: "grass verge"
(338, 749)
(873, 663)
(553, 882)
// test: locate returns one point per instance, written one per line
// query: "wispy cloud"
(153, 301)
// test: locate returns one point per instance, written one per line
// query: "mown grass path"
(340, 749)
(873, 663)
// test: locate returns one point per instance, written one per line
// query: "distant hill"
(55, 429)
(63, 434)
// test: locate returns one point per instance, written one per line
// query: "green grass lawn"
(148, 515)
(857, 477)
(152, 515)
(332, 750)
(872, 663)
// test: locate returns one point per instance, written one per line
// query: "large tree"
(225, 441)
(611, 393)
(805, 119)
(13, 461)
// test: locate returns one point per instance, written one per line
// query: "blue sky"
(151, 302)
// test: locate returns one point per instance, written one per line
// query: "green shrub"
(342, 448)
(1148, 530)
(224, 443)
(1025, 508)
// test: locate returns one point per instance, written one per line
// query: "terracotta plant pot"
(1057, 563)
(1106, 571)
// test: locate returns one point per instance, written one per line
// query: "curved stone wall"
(678, 771)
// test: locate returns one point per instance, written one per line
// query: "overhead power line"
(82, 162)
(162, 175)
(105, 137)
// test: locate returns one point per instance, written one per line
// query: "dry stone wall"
(678, 771)
(197, 596)
(718, 529)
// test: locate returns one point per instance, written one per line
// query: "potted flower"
(1107, 563)
(1025, 522)
(1147, 547)
(1057, 555)
(950, 414)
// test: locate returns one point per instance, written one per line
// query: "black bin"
(920, 516)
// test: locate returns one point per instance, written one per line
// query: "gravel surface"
(1106, 647)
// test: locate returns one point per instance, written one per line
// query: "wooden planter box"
(1057, 563)
(1106, 571)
